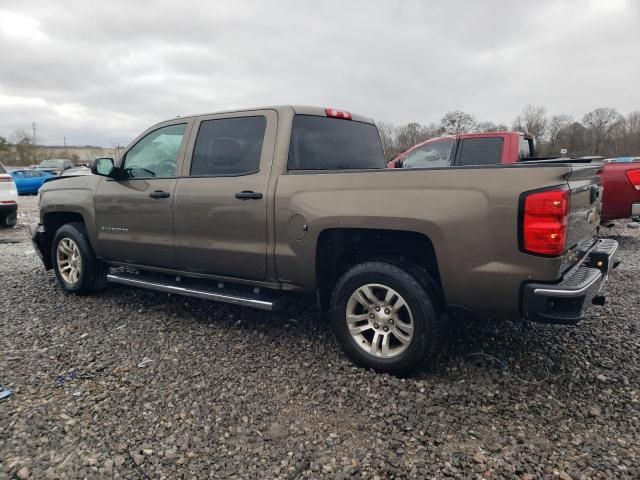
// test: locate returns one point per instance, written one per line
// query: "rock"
(23, 473)
(136, 457)
(276, 431)
(232, 393)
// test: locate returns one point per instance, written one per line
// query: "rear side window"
(480, 151)
(228, 146)
(322, 143)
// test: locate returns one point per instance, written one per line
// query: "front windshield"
(51, 164)
(430, 155)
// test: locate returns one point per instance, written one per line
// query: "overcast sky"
(101, 72)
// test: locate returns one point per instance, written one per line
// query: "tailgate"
(586, 195)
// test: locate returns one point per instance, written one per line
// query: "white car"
(8, 199)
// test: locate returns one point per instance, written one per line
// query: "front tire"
(76, 266)
(384, 318)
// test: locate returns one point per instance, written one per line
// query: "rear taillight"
(6, 179)
(545, 217)
(334, 113)
(634, 178)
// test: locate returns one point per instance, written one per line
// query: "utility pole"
(35, 143)
(64, 141)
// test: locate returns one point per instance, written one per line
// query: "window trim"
(195, 141)
(332, 170)
(181, 151)
(460, 148)
(268, 144)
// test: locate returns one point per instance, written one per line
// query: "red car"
(621, 182)
(467, 149)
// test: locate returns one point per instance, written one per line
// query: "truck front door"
(134, 214)
(220, 206)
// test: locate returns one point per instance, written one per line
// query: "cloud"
(102, 72)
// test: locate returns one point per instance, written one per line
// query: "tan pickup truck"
(245, 206)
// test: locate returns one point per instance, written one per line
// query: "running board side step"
(245, 299)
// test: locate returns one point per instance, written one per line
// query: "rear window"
(524, 148)
(480, 151)
(2, 169)
(322, 143)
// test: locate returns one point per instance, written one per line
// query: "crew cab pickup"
(468, 149)
(246, 206)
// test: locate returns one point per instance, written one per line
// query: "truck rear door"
(220, 204)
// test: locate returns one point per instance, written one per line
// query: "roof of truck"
(296, 109)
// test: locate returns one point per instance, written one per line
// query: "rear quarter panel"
(470, 214)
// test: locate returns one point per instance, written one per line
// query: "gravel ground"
(136, 384)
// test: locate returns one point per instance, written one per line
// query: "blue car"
(29, 181)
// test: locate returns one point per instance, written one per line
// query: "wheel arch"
(338, 249)
(52, 221)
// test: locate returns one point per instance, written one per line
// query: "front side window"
(481, 151)
(155, 155)
(228, 146)
(434, 154)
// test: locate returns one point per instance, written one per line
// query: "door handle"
(248, 195)
(159, 194)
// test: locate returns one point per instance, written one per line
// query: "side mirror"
(102, 166)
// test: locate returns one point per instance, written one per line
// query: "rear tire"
(384, 318)
(9, 220)
(76, 266)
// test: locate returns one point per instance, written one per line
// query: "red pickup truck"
(467, 149)
(621, 182)
(620, 177)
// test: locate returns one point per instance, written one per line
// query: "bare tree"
(388, 137)
(490, 127)
(632, 133)
(4, 150)
(532, 120)
(600, 123)
(411, 134)
(24, 147)
(456, 122)
(576, 139)
(558, 131)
